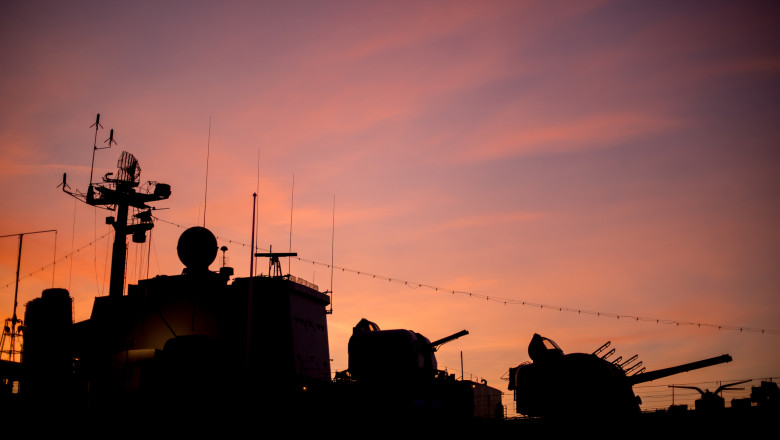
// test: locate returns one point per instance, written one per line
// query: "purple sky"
(618, 157)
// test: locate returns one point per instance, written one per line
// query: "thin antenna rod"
(18, 264)
(251, 293)
(332, 242)
(72, 243)
(94, 146)
(252, 256)
(149, 253)
(292, 198)
(257, 219)
(54, 259)
(206, 192)
(19, 261)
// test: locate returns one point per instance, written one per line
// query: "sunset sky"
(618, 157)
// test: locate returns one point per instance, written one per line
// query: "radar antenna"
(118, 194)
(273, 261)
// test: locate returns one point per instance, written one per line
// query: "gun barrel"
(437, 343)
(658, 374)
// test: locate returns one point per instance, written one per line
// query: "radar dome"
(197, 248)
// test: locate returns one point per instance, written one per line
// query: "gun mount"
(393, 355)
(438, 343)
(659, 374)
(582, 384)
(400, 367)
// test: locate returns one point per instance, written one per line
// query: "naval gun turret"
(555, 384)
(393, 356)
(395, 372)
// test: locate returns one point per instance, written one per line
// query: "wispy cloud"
(584, 133)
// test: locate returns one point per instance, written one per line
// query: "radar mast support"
(118, 194)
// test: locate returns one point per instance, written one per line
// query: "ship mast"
(12, 330)
(119, 194)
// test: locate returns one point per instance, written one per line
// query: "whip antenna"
(332, 241)
(256, 222)
(110, 140)
(206, 191)
(292, 197)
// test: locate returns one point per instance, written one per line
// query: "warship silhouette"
(206, 345)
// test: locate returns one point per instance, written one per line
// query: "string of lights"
(496, 299)
(93, 242)
(510, 301)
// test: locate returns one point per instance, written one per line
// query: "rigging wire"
(72, 239)
(43, 268)
(105, 263)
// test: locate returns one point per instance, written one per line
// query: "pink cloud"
(589, 132)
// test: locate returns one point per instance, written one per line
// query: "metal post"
(118, 256)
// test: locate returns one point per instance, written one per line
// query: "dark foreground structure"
(199, 349)
(583, 385)
(202, 349)
(196, 344)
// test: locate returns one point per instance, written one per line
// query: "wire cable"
(511, 301)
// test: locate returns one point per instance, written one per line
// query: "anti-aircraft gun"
(583, 384)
